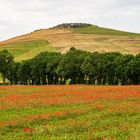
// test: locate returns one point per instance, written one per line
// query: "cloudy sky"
(23, 16)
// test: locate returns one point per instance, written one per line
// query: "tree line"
(74, 67)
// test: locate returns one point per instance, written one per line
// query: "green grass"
(63, 122)
(103, 31)
(58, 128)
(28, 49)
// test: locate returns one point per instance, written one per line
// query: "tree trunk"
(4, 79)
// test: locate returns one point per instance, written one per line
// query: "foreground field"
(70, 112)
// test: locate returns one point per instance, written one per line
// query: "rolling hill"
(62, 37)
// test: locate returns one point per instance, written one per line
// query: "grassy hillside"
(103, 31)
(90, 38)
(27, 49)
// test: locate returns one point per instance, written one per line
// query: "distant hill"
(64, 36)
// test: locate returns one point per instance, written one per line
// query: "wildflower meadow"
(75, 112)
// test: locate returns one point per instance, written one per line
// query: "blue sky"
(19, 17)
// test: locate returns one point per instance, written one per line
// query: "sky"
(18, 17)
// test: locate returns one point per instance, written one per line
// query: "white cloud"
(18, 17)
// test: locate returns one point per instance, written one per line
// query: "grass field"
(70, 112)
(103, 31)
(28, 49)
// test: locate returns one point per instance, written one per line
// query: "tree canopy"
(77, 66)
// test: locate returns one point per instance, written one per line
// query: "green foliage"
(122, 68)
(24, 72)
(11, 74)
(45, 65)
(100, 68)
(6, 63)
(74, 67)
(110, 67)
(133, 70)
(69, 66)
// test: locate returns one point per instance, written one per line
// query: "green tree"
(110, 67)
(69, 66)
(24, 72)
(11, 74)
(133, 70)
(53, 60)
(121, 69)
(94, 68)
(6, 62)
(43, 68)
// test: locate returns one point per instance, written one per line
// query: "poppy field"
(75, 112)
